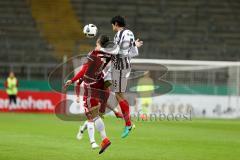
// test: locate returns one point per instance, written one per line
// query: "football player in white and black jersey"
(125, 47)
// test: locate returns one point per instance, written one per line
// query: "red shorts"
(95, 94)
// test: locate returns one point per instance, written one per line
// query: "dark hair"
(103, 40)
(119, 20)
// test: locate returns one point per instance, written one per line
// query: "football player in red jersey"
(95, 94)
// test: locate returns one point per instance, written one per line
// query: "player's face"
(114, 27)
(11, 74)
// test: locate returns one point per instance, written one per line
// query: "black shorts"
(12, 99)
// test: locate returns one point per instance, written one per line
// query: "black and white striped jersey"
(127, 49)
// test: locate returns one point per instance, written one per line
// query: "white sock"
(100, 127)
(84, 126)
(91, 130)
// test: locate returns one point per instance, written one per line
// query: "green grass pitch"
(44, 137)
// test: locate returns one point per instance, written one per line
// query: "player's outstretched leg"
(91, 132)
(81, 130)
(99, 124)
(126, 114)
(104, 145)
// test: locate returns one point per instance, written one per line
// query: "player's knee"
(119, 96)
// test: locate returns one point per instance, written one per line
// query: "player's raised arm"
(111, 48)
(78, 76)
(134, 49)
(125, 43)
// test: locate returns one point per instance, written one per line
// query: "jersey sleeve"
(133, 52)
(80, 74)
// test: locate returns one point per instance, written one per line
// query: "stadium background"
(36, 35)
